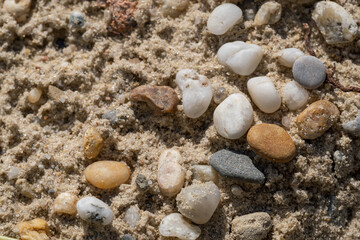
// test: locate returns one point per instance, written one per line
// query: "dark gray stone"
(234, 165)
(142, 182)
(309, 72)
(111, 116)
(127, 237)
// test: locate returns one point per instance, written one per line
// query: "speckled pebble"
(309, 72)
(94, 210)
(142, 183)
(77, 19)
(254, 226)
(93, 143)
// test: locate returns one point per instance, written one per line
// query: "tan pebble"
(34, 95)
(271, 142)
(36, 229)
(269, 13)
(174, 8)
(93, 143)
(316, 119)
(254, 226)
(18, 8)
(107, 174)
(56, 93)
(159, 98)
(65, 203)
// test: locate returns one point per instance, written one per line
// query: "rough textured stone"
(111, 116)
(353, 127)
(132, 216)
(269, 13)
(174, 8)
(175, 225)
(141, 182)
(309, 72)
(271, 142)
(254, 226)
(93, 143)
(36, 229)
(204, 173)
(65, 203)
(238, 166)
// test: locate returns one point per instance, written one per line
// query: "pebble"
(204, 173)
(19, 9)
(174, 8)
(269, 13)
(65, 203)
(288, 56)
(175, 225)
(316, 119)
(107, 174)
(334, 22)
(127, 237)
(159, 98)
(111, 116)
(170, 174)
(94, 210)
(34, 95)
(309, 72)
(77, 19)
(36, 229)
(132, 216)
(238, 166)
(263, 92)
(198, 202)
(353, 127)
(24, 187)
(220, 95)
(271, 142)
(294, 95)
(13, 173)
(223, 18)
(93, 143)
(233, 117)
(242, 58)
(254, 226)
(196, 92)
(142, 183)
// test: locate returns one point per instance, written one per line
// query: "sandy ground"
(315, 196)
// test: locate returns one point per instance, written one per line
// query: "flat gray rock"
(234, 165)
(309, 72)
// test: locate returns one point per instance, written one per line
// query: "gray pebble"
(77, 19)
(142, 182)
(353, 127)
(309, 72)
(111, 116)
(254, 226)
(127, 237)
(234, 165)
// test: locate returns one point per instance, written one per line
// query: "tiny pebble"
(19, 9)
(254, 226)
(309, 72)
(220, 95)
(175, 225)
(174, 8)
(294, 95)
(13, 173)
(93, 143)
(111, 116)
(94, 210)
(269, 13)
(34, 95)
(77, 19)
(288, 56)
(132, 216)
(286, 122)
(65, 203)
(353, 127)
(127, 237)
(237, 190)
(224, 17)
(141, 182)
(204, 173)
(36, 229)
(249, 14)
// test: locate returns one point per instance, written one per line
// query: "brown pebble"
(271, 142)
(316, 119)
(36, 229)
(159, 98)
(93, 143)
(107, 174)
(65, 203)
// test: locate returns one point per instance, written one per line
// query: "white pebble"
(288, 56)
(224, 17)
(233, 117)
(263, 92)
(34, 95)
(269, 13)
(242, 58)
(204, 173)
(175, 225)
(13, 173)
(18, 8)
(295, 96)
(132, 216)
(94, 210)
(196, 92)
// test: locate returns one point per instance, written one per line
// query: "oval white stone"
(288, 56)
(223, 17)
(233, 117)
(263, 92)
(94, 210)
(295, 96)
(242, 58)
(196, 92)
(175, 225)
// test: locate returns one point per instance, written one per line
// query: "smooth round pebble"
(288, 56)
(271, 142)
(294, 95)
(204, 173)
(175, 225)
(224, 17)
(65, 203)
(94, 210)
(34, 95)
(107, 174)
(353, 127)
(233, 117)
(309, 72)
(93, 143)
(263, 92)
(253, 226)
(77, 19)
(269, 13)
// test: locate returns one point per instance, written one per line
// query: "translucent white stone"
(295, 96)
(34, 95)
(94, 210)
(288, 56)
(13, 173)
(233, 117)
(175, 225)
(269, 13)
(223, 18)
(19, 9)
(196, 92)
(132, 216)
(204, 173)
(264, 94)
(242, 58)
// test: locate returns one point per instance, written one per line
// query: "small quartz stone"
(316, 119)
(269, 13)
(334, 22)
(198, 202)
(170, 175)
(233, 117)
(264, 94)
(132, 216)
(13, 173)
(34, 95)
(238, 166)
(309, 72)
(242, 58)
(224, 17)
(77, 19)
(294, 95)
(65, 203)
(288, 56)
(111, 116)
(353, 127)
(204, 173)
(19, 9)
(93, 143)
(254, 226)
(196, 92)
(159, 98)
(174, 8)
(141, 182)
(220, 95)
(36, 229)
(271, 142)
(175, 225)
(107, 174)
(94, 210)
